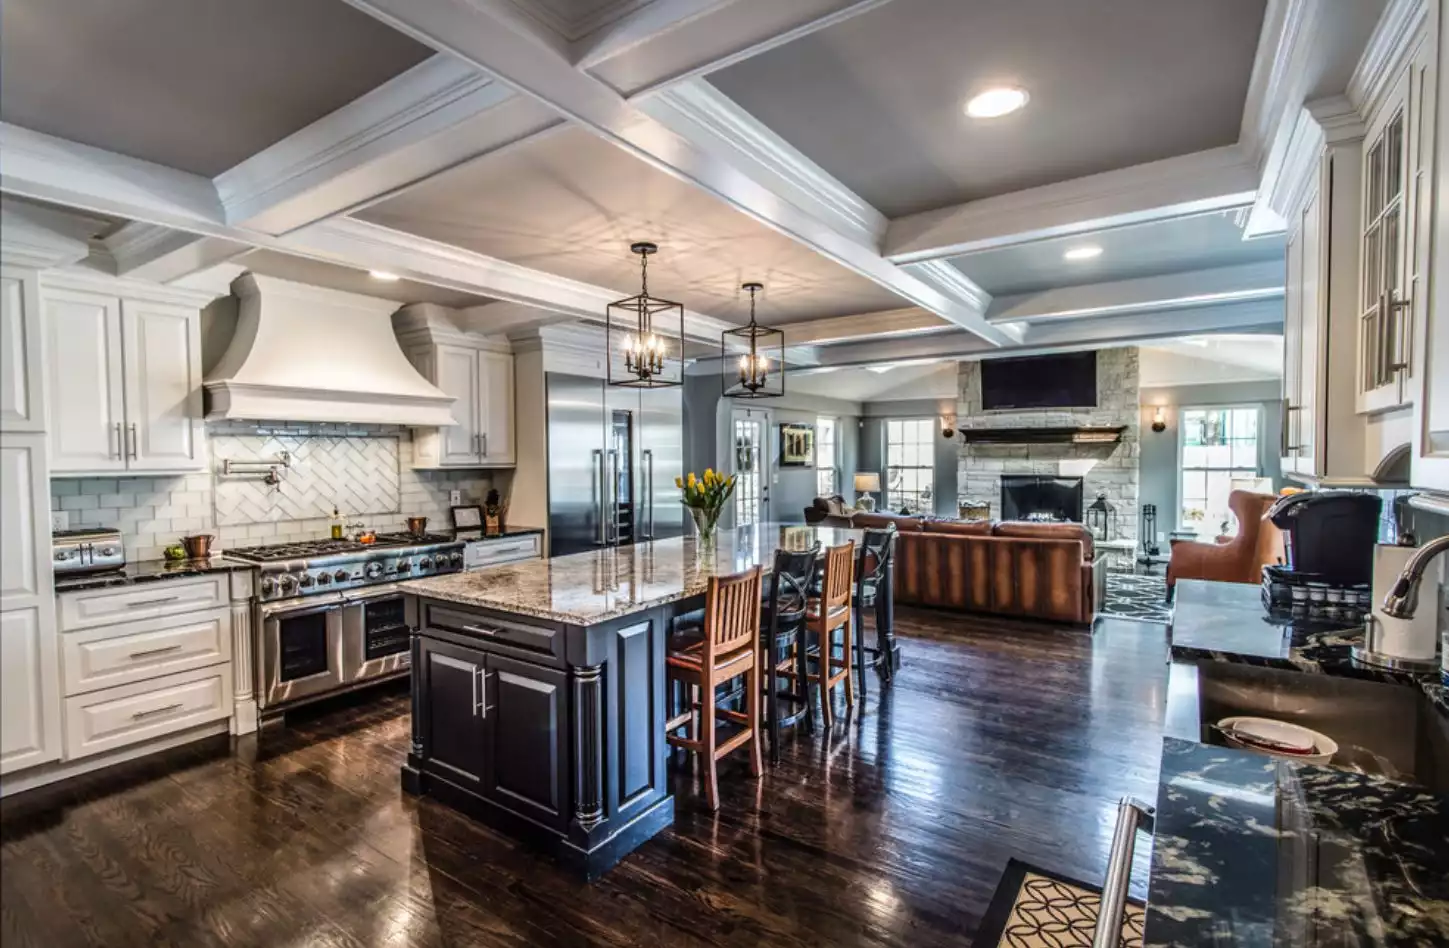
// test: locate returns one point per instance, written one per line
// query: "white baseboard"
(50, 773)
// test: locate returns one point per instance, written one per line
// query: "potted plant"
(705, 497)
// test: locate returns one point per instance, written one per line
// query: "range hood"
(301, 353)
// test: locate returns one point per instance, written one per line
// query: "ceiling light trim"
(997, 102)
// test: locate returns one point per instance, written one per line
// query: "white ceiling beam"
(1255, 317)
(492, 44)
(1210, 180)
(1211, 287)
(883, 325)
(650, 22)
(161, 254)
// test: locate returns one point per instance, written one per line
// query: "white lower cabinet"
(135, 651)
(95, 607)
(482, 553)
(29, 691)
(128, 714)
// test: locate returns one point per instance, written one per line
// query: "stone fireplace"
(1031, 497)
(1109, 469)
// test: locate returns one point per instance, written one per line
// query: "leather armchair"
(1239, 560)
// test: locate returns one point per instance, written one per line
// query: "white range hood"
(302, 353)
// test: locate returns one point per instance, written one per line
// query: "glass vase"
(705, 522)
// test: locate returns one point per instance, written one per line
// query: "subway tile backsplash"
(153, 512)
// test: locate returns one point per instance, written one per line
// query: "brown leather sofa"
(1044, 571)
(1239, 560)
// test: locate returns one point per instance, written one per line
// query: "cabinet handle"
(1131, 816)
(479, 630)
(151, 602)
(131, 439)
(1289, 410)
(155, 711)
(155, 651)
(482, 709)
(1400, 344)
(117, 451)
(484, 439)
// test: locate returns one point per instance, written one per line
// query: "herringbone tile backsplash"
(358, 475)
(365, 470)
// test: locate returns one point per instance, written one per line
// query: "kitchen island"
(539, 687)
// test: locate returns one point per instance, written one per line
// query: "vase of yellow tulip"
(705, 497)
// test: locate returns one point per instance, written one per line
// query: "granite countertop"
(596, 586)
(148, 571)
(1226, 622)
(1251, 850)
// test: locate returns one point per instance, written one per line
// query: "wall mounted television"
(1068, 380)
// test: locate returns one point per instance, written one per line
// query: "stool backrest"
(876, 549)
(791, 585)
(839, 576)
(731, 612)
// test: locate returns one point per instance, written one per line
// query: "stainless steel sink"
(1387, 729)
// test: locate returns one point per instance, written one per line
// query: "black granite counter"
(1251, 850)
(148, 571)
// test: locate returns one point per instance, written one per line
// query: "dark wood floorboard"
(996, 741)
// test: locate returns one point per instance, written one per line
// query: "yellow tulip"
(679, 482)
(691, 479)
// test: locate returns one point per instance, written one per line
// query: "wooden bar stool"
(726, 648)
(823, 618)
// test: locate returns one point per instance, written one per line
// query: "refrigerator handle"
(599, 504)
(614, 495)
(648, 455)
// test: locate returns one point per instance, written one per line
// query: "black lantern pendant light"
(638, 356)
(759, 370)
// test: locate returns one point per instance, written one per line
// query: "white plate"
(1241, 732)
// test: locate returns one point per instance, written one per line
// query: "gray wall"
(707, 417)
(1160, 482)
(872, 445)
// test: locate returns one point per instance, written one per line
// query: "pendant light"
(638, 355)
(752, 358)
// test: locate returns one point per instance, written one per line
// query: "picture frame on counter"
(468, 517)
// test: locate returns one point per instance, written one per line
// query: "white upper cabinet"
(87, 395)
(458, 376)
(20, 375)
(1430, 355)
(497, 408)
(124, 381)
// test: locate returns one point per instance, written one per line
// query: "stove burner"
(310, 549)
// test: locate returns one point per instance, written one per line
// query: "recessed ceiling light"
(994, 103)
(1086, 252)
(383, 275)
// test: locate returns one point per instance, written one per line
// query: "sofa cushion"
(863, 519)
(960, 528)
(1047, 531)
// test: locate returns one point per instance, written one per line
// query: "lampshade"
(867, 482)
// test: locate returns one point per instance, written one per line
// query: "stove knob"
(324, 579)
(269, 586)
(288, 584)
(341, 576)
(425, 563)
(108, 551)
(306, 580)
(455, 559)
(373, 570)
(404, 566)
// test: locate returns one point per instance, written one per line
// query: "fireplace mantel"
(1086, 434)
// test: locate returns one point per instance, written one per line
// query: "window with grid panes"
(1218, 446)
(827, 481)
(910, 464)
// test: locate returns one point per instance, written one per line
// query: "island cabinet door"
(454, 729)
(527, 713)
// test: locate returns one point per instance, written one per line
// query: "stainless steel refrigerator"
(613, 455)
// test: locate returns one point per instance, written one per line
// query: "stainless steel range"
(329, 616)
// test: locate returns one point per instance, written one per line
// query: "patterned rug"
(1033, 908)
(1143, 598)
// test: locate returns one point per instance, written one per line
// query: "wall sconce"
(948, 427)
(1159, 420)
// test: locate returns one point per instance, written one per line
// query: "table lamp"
(866, 483)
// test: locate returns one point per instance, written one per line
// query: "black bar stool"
(877, 548)
(782, 628)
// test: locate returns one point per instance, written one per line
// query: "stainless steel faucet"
(1403, 599)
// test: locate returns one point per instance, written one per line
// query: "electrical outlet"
(59, 519)
(455, 497)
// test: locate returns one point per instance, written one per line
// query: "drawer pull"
(479, 630)
(155, 711)
(151, 602)
(144, 653)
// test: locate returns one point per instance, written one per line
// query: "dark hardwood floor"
(995, 742)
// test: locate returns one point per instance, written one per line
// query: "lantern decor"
(1102, 519)
(759, 369)
(644, 353)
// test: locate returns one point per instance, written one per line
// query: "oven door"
(301, 650)
(376, 640)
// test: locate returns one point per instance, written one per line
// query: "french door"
(750, 455)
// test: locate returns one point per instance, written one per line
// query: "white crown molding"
(722, 126)
(39, 237)
(948, 279)
(648, 22)
(1216, 179)
(1394, 39)
(888, 324)
(161, 254)
(78, 278)
(1274, 87)
(571, 27)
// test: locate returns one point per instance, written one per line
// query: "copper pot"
(198, 547)
(417, 526)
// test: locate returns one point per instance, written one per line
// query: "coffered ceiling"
(318, 273)
(198, 85)
(571, 204)
(878, 99)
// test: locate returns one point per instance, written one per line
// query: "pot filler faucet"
(1402, 600)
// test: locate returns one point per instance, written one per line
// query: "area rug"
(1034, 908)
(1143, 598)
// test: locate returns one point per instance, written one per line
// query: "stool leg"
(802, 677)
(822, 679)
(752, 711)
(857, 616)
(772, 714)
(706, 737)
(847, 657)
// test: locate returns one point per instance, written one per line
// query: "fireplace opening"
(1050, 499)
